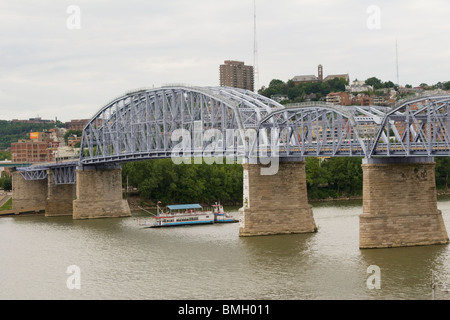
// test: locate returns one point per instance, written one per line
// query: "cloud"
(47, 68)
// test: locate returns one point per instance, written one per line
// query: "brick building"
(40, 148)
(319, 78)
(237, 75)
(76, 124)
(339, 98)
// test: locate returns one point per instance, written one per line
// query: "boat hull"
(179, 224)
(224, 219)
(182, 220)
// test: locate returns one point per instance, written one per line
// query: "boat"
(182, 214)
(221, 216)
(188, 214)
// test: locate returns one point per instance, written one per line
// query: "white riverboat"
(182, 214)
(188, 214)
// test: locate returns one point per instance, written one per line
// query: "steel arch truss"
(318, 130)
(419, 127)
(149, 124)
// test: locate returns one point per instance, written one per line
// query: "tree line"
(12, 131)
(316, 91)
(299, 92)
(162, 180)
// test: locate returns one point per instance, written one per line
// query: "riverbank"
(135, 202)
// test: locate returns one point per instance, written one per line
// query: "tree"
(388, 84)
(162, 180)
(375, 82)
(317, 177)
(7, 185)
(442, 172)
(446, 85)
(77, 133)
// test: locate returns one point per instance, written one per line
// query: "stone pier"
(400, 204)
(99, 193)
(60, 198)
(28, 195)
(276, 204)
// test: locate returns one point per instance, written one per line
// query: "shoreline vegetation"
(331, 179)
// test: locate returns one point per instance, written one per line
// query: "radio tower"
(255, 51)
(396, 58)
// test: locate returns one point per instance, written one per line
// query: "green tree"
(375, 82)
(388, 84)
(446, 85)
(442, 172)
(70, 133)
(6, 183)
(162, 180)
(317, 177)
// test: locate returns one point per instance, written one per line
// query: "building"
(40, 148)
(338, 76)
(237, 75)
(34, 120)
(358, 86)
(319, 77)
(279, 97)
(305, 78)
(76, 124)
(362, 99)
(339, 98)
(72, 141)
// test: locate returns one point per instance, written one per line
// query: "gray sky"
(51, 70)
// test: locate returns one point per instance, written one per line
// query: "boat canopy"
(184, 206)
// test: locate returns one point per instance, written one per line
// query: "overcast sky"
(51, 68)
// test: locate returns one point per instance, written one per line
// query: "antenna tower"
(396, 58)
(255, 50)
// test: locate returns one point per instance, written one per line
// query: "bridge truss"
(182, 121)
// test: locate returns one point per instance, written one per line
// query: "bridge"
(398, 145)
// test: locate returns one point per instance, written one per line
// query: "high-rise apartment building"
(237, 75)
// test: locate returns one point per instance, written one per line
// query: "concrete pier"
(400, 204)
(99, 193)
(28, 195)
(60, 198)
(276, 204)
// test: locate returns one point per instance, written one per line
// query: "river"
(118, 259)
